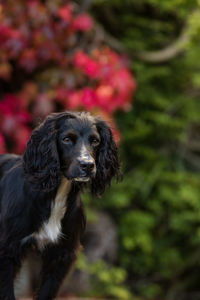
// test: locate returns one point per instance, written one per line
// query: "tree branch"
(167, 53)
(157, 56)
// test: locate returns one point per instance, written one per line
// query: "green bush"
(157, 206)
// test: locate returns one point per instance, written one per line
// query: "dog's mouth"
(80, 176)
(81, 179)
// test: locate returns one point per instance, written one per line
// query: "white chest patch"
(51, 229)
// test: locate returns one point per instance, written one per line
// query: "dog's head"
(76, 145)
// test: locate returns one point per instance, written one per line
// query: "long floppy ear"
(41, 161)
(107, 161)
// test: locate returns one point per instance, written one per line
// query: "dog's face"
(77, 142)
(76, 145)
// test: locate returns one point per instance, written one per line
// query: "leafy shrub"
(157, 206)
(50, 61)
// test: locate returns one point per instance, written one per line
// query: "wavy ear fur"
(107, 161)
(41, 161)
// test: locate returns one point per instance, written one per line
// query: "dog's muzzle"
(86, 170)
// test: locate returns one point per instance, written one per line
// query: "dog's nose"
(87, 166)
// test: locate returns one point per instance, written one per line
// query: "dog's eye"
(94, 142)
(70, 138)
(67, 140)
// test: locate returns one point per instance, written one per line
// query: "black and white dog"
(40, 205)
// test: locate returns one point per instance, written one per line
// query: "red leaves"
(41, 40)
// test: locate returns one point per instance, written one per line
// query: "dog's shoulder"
(9, 157)
(8, 161)
(11, 183)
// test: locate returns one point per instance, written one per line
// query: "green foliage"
(106, 280)
(157, 205)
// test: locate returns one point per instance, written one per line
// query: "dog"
(40, 205)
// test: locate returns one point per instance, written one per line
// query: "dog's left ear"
(107, 160)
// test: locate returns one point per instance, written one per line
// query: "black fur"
(28, 186)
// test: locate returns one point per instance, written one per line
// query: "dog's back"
(7, 161)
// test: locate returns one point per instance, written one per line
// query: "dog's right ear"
(41, 161)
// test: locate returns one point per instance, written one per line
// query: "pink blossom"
(88, 98)
(65, 12)
(87, 65)
(80, 59)
(91, 69)
(123, 82)
(104, 94)
(73, 100)
(82, 22)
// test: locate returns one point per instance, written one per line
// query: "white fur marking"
(83, 153)
(51, 229)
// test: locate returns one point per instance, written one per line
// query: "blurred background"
(137, 64)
